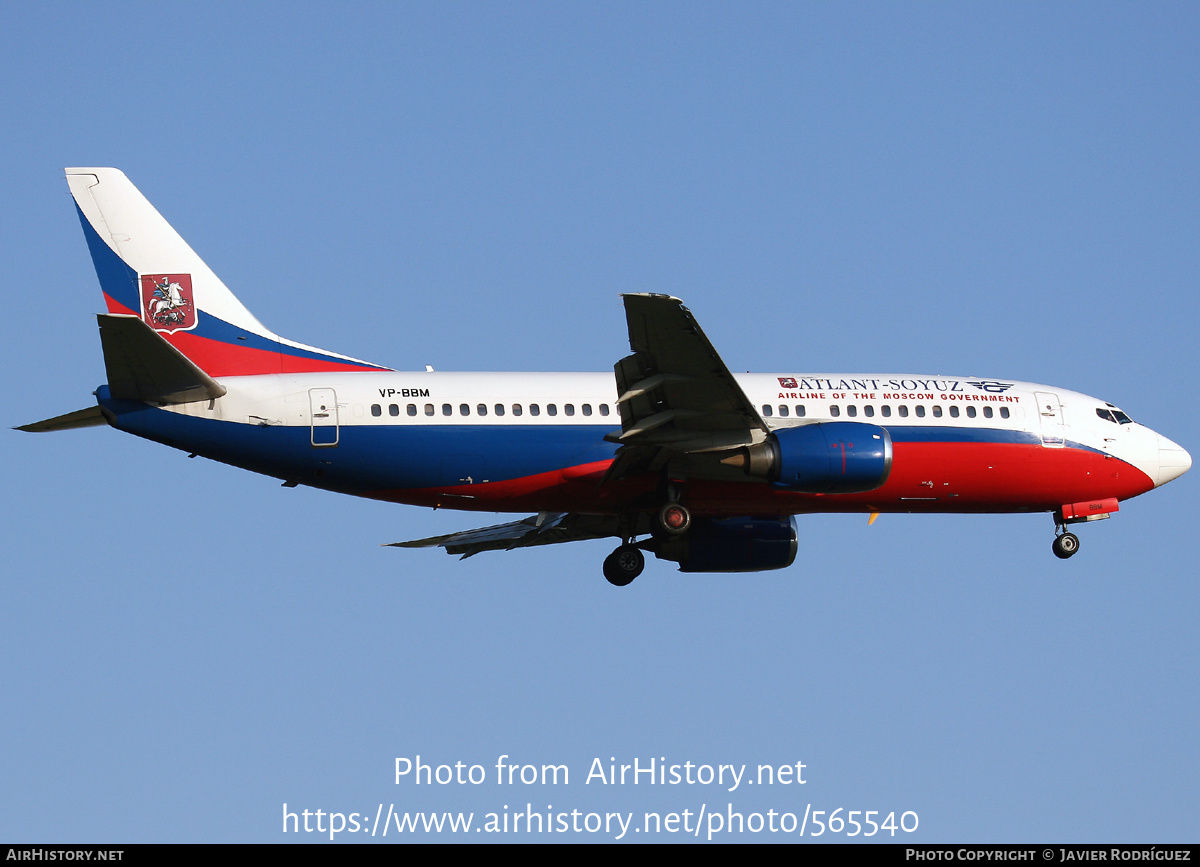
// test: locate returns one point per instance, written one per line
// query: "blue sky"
(1004, 190)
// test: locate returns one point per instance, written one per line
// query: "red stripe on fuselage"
(218, 358)
(952, 477)
(925, 477)
(572, 489)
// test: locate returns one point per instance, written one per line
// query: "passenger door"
(1051, 415)
(324, 413)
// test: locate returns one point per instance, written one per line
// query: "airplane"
(673, 455)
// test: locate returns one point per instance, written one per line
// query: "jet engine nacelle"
(732, 545)
(829, 457)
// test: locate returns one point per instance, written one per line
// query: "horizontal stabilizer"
(143, 366)
(543, 529)
(90, 417)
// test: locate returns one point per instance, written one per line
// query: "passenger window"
(604, 409)
(852, 411)
(869, 411)
(799, 410)
(783, 410)
(902, 410)
(499, 409)
(885, 411)
(429, 409)
(393, 409)
(447, 409)
(920, 411)
(953, 412)
(551, 409)
(534, 409)
(464, 409)
(481, 409)
(971, 412)
(587, 409)
(377, 410)
(937, 411)
(835, 411)
(569, 408)
(766, 410)
(412, 409)
(987, 412)
(516, 409)
(1004, 412)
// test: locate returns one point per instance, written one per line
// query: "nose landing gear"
(1065, 544)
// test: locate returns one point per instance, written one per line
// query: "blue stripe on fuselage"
(940, 434)
(371, 457)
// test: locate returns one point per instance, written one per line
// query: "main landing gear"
(624, 564)
(1065, 544)
(628, 561)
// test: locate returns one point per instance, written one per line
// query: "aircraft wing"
(542, 529)
(676, 394)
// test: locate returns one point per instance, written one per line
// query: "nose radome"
(1173, 461)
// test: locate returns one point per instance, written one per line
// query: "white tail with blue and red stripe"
(147, 270)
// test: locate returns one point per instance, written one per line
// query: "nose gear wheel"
(1065, 545)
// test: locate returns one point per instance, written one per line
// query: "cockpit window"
(1114, 415)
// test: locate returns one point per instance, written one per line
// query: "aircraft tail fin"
(146, 270)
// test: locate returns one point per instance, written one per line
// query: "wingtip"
(661, 295)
